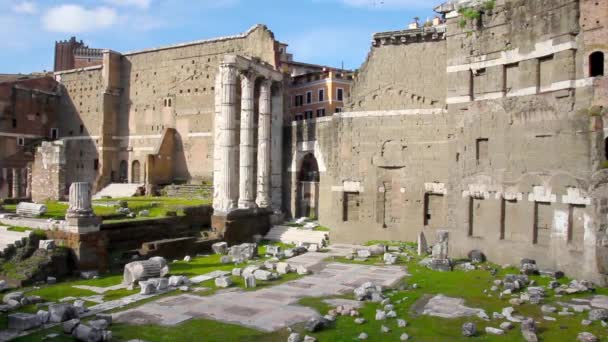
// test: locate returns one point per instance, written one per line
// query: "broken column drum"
(80, 200)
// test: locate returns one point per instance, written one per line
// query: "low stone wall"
(92, 251)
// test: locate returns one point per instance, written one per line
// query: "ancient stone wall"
(385, 82)
(524, 145)
(49, 173)
(81, 122)
(375, 168)
(174, 88)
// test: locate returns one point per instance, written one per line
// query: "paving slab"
(448, 307)
(267, 309)
(8, 237)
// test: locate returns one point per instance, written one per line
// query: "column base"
(90, 250)
(240, 225)
(82, 225)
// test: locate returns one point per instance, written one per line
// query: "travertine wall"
(185, 76)
(117, 113)
(376, 160)
(504, 149)
(385, 81)
(49, 173)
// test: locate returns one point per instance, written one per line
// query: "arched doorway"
(123, 172)
(308, 188)
(135, 172)
(596, 64)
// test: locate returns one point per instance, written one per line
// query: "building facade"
(318, 94)
(505, 149)
(490, 127)
(28, 115)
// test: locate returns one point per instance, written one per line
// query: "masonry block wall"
(377, 160)
(526, 144)
(115, 115)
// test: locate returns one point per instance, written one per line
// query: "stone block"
(23, 321)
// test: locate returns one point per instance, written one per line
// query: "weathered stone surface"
(586, 337)
(100, 324)
(284, 268)
(316, 324)
(245, 251)
(494, 331)
(598, 315)
(250, 281)
(62, 312)
(220, 248)
(141, 270)
(476, 256)
(176, 281)
(528, 330)
(44, 316)
(23, 321)
(390, 259)
(294, 337)
(302, 270)
(147, 287)
(263, 275)
(469, 329)
(16, 296)
(86, 333)
(223, 282)
(46, 244)
(368, 291)
(69, 326)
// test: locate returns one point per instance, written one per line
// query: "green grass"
(19, 229)
(467, 285)
(158, 207)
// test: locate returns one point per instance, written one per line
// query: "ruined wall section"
(401, 76)
(174, 88)
(523, 150)
(81, 122)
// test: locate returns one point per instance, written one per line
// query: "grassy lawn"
(406, 300)
(157, 206)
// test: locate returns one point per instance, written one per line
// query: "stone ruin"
(136, 271)
(80, 217)
(440, 260)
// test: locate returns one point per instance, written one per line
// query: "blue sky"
(318, 31)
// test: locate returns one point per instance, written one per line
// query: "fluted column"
(228, 142)
(16, 183)
(80, 200)
(276, 158)
(247, 148)
(28, 182)
(218, 192)
(263, 196)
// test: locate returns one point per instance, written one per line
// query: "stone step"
(118, 190)
(293, 235)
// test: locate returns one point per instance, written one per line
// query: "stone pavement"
(448, 307)
(8, 237)
(271, 308)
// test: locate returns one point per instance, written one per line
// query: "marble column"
(80, 200)
(28, 183)
(16, 183)
(218, 192)
(264, 166)
(277, 151)
(229, 136)
(247, 147)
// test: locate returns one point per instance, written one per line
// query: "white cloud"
(25, 7)
(143, 4)
(387, 4)
(77, 19)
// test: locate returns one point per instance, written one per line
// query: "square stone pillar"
(264, 146)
